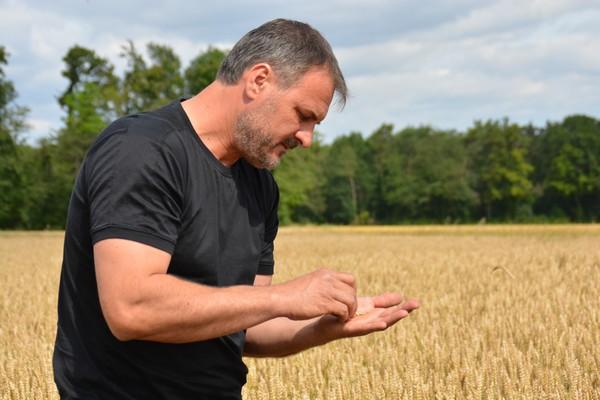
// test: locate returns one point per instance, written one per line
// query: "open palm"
(377, 313)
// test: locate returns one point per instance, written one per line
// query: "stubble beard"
(253, 140)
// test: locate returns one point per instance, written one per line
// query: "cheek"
(289, 127)
(280, 130)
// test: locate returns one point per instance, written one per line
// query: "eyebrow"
(311, 114)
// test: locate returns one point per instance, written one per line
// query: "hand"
(373, 314)
(318, 293)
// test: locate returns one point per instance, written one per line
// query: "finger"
(344, 287)
(411, 304)
(387, 300)
(348, 298)
(347, 294)
(346, 278)
(354, 309)
(394, 314)
(372, 326)
(340, 310)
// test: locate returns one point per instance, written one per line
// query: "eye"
(302, 117)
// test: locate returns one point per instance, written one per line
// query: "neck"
(213, 118)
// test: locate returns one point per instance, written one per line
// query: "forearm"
(139, 300)
(282, 337)
(169, 309)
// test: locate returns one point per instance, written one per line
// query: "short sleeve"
(267, 261)
(134, 189)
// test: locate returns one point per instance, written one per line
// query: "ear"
(256, 79)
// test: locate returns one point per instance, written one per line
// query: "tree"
(44, 203)
(82, 124)
(428, 177)
(203, 70)
(91, 100)
(349, 180)
(11, 190)
(147, 87)
(85, 69)
(12, 122)
(570, 170)
(299, 177)
(382, 154)
(500, 171)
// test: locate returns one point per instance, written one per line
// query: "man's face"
(283, 119)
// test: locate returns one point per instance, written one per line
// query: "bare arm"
(281, 336)
(140, 300)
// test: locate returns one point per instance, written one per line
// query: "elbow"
(122, 334)
(121, 321)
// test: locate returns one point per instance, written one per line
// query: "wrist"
(279, 301)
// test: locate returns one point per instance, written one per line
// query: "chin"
(271, 163)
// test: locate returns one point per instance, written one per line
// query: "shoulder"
(151, 126)
(151, 141)
(143, 134)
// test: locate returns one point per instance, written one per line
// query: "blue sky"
(438, 62)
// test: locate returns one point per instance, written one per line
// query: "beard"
(253, 140)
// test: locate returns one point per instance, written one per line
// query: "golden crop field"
(508, 312)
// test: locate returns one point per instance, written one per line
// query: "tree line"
(496, 170)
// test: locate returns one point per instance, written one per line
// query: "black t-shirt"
(149, 178)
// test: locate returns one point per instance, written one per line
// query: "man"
(166, 278)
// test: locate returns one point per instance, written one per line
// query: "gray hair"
(291, 48)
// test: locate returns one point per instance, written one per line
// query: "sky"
(444, 63)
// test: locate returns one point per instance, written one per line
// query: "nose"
(305, 135)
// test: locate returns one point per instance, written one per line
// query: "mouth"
(290, 143)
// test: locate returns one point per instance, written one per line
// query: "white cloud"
(499, 60)
(444, 62)
(511, 15)
(41, 125)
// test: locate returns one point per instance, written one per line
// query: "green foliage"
(340, 189)
(12, 123)
(91, 100)
(428, 177)
(498, 170)
(349, 180)
(11, 192)
(300, 180)
(82, 125)
(501, 173)
(203, 70)
(83, 67)
(12, 116)
(146, 87)
(570, 168)
(44, 204)
(381, 163)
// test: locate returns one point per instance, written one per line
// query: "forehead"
(314, 90)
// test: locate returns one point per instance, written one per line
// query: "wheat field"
(508, 312)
